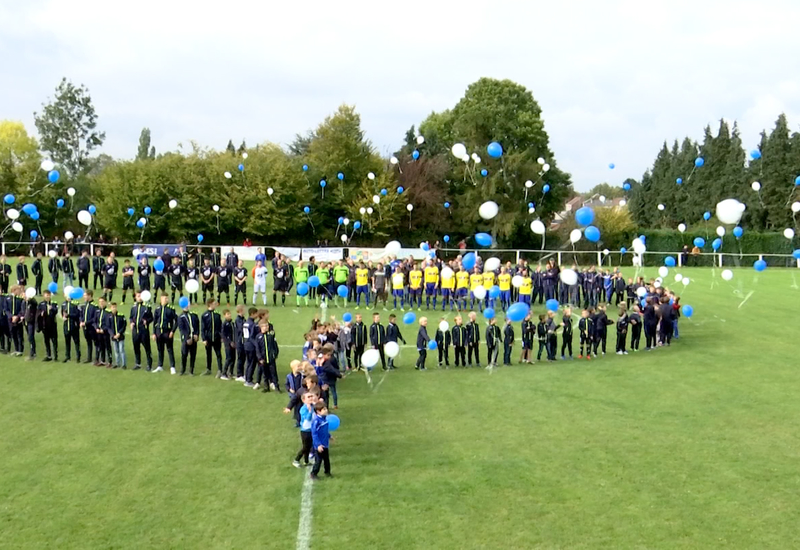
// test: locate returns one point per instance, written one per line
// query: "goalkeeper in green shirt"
(301, 276)
(340, 274)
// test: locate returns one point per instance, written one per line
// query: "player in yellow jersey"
(448, 284)
(475, 281)
(526, 289)
(431, 284)
(504, 282)
(462, 288)
(415, 287)
(362, 284)
(488, 283)
(398, 286)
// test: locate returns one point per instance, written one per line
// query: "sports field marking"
(306, 513)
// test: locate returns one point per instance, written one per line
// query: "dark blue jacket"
(319, 431)
(393, 333)
(211, 326)
(141, 316)
(189, 325)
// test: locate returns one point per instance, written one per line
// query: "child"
(541, 336)
(586, 330)
(211, 330)
(47, 325)
(473, 339)
(192, 274)
(229, 343)
(102, 357)
(393, 335)
(552, 339)
(330, 373)
(631, 293)
(22, 272)
(377, 337)
(493, 341)
(305, 416)
(508, 342)
(267, 354)
(443, 344)
(528, 335)
(566, 335)
(189, 325)
(358, 340)
(294, 384)
(676, 312)
(422, 343)
(622, 331)
(118, 337)
(321, 440)
(635, 321)
(28, 319)
(459, 333)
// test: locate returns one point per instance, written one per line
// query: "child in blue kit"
(306, 420)
(320, 437)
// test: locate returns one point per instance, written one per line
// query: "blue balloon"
(400, 189)
(716, 244)
(323, 183)
(447, 238)
(340, 176)
(468, 261)
(546, 188)
(29, 208)
(494, 292)
(35, 216)
(131, 211)
(92, 209)
(415, 154)
(409, 318)
(76, 294)
(139, 224)
(611, 166)
(313, 281)
(9, 199)
(53, 176)
(484, 172)
(241, 168)
(551, 304)
(796, 254)
(488, 313)
(347, 317)
(302, 289)
(679, 181)
(755, 154)
(592, 234)
(341, 290)
(706, 216)
(584, 216)
(60, 203)
(447, 205)
(200, 238)
(623, 250)
(483, 239)
(34, 234)
(760, 265)
(147, 210)
(687, 311)
(432, 345)
(183, 302)
(626, 186)
(333, 422)
(642, 238)
(669, 261)
(517, 312)
(495, 150)
(306, 209)
(158, 265)
(738, 231)
(341, 220)
(699, 162)
(53, 287)
(699, 242)
(797, 180)
(530, 205)
(384, 192)
(305, 168)
(425, 247)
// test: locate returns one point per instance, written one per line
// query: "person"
(164, 322)
(393, 335)
(294, 384)
(566, 333)
(459, 339)
(443, 341)
(117, 334)
(448, 284)
(306, 415)
(504, 283)
(97, 267)
(508, 342)
(475, 282)
(586, 331)
(68, 268)
(88, 323)
(398, 285)
(84, 266)
(473, 340)
(493, 340)
(622, 331)
(601, 323)
(488, 283)
(109, 278)
(635, 320)
(22, 272)
(330, 373)
(144, 274)
(240, 281)
(211, 329)
(238, 338)
(224, 281)
(229, 343)
(676, 313)
(53, 267)
(249, 336)
(362, 284)
(267, 354)
(160, 278)
(280, 282)
(666, 316)
(650, 324)
(177, 272)
(28, 318)
(140, 318)
(5, 274)
(552, 339)
(431, 274)
(38, 273)
(377, 337)
(214, 257)
(415, 287)
(302, 274)
(260, 282)
(207, 276)
(422, 343)
(46, 324)
(462, 289)
(620, 288)
(358, 339)
(103, 350)
(541, 336)
(379, 279)
(321, 440)
(526, 289)
(189, 327)
(340, 275)
(71, 316)
(528, 336)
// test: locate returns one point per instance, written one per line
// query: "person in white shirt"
(260, 282)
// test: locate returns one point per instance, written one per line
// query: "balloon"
(192, 286)
(494, 292)
(699, 162)
(663, 271)
(158, 265)
(323, 183)
(370, 358)
(679, 181)
(447, 238)
(488, 210)
(641, 291)
(569, 277)
(483, 239)
(215, 208)
(35, 216)
(71, 191)
(432, 345)
(796, 254)
(371, 176)
(458, 150)
(623, 202)
(29, 208)
(341, 290)
(340, 176)
(420, 140)
(492, 264)
(200, 238)
(528, 184)
(228, 175)
(384, 192)
(30, 292)
(302, 289)
(727, 274)
(551, 304)
(516, 281)
(681, 227)
(537, 227)
(468, 261)
(424, 246)
(183, 302)
(47, 165)
(409, 318)
(575, 235)
(540, 160)
(488, 313)
(495, 150)
(52, 287)
(796, 207)
(678, 277)
(241, 167)
(611, 166)
(755, 154)
(738, 232)
(394, 160)
(602, 198)
(592, 234)
(12, 213)
(716, 244)
(797, 180)
(415, 154)
(76, 293)
(730, 211)
(376, 199)
(661, 207)
(699, 242)
(484, 172)
(244, 156)
(517, 312)
(306, 209)
(756, 186)
(34, 234)
(687, 311)
(788, 233)
(391, 349)
(147, 210)
(305, 168)
(447, 205)
(347, 317)
(52, 253)
(545, 167)
(706, 216)
(760, 265)
(313, 281)
(172, 204)
(9, 199)
(623, 250)
(146, 296)
(546, 188)
(626, 186)
(479, 292)
(584, 216)
(53, 175)
(344, 238)
(400, 190)
(720, 231)
(131, 211)
(639, 246)
(68, 235)
(444, 326)
(92, 209)
(85, 218)
(270, 191)
(669, 261)
(409, 207)
(393, 248)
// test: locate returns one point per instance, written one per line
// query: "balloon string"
(337, 229)
(409, 221)
(323, 193)
(218, 230)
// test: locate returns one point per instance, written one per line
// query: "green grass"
(695, 446)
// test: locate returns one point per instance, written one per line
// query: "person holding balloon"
(38, 273)
(140, 319)
(71, 317)
(189, 327)
(164, 325)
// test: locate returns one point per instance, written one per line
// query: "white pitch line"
(306, 512)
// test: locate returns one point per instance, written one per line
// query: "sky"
(614, 79)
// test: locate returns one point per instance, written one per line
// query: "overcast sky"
(614, 79)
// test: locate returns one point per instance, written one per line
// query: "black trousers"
(141, 339)
(18, 337)
(358, 351)
(650, 335)
(542, 348)
(423, 355)
(250, 355)
(621, 337)
(165, 342)
(32, 339)
(600, 341)
(444, 354)
(230, 356)
(461, 356)
(566, 344)
(216, 347)
(38, 285)
(83, 279)
(587, 342)
(240, 289)
(383, 357)
(321, 458)
(267, 372)
(636, 336)
(307, 442)
(552, 344)
(474, 349)
(72, 336)
(224, 289)
(51, 343)
(491, 354)
(240, 357)
(89, 335)
(100, 349)
(97, 277)
(188, 350)
(667, 330)
(507, 354)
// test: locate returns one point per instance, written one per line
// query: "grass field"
(695, 446)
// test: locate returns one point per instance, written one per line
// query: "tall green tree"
(230, 148)
(242, 148)
(143, 152)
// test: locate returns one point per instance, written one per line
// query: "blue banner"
(154, 250)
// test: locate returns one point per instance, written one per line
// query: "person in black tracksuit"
(22, 272)
(29, 318)
(238, 337)
(164, 324)
(493, 340)
(267, 351)
(87, 323)
(229, 343)
(250, 334)
(224, 281)
(53, 267)
(622, 331)
(109, 278)
(650, 324)
(240, 280)
(144, 275)
(459, 340)
(566, 334)
(97, 268)
(141, 317)
(176, 273)
(189, 327)
(635, 320)
(377, 337)
(192, 273)
(528, 330)
(84, 266)
(127, 279)
(552, 339)
(358, 339)
(473, 340)
(160, 279)
(422, 343)
(47, 324)
(392, 335)
(102, 348)
(541, 336)
(601, 322)
(586, 331)
(68, 267)
(443, 341)
(508, 342)
(211, 332)
(207, 274)
(666, 313)
(38, 273)
(619, 289)
(71, 316)
(5, 274)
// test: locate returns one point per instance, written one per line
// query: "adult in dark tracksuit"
(164, 324)
(97, 267)
(666, 325)
(238, 339)
(211, 332)
(377, 337)
(459, 339)
(650, 324)
(508, 342)
(87, 316)
(84, 266)
(422, 344)
(358, 339)
(31, 310)
(47, 324)
(71, 316)
(189, 327)
(37, 270)
(473, 341)
(141, 317)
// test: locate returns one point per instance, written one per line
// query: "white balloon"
(477, 159)
(681, 227)
(30, 292)
(529, 184)
(727, 274)
(409, 207)
(663, 271)
(575, 235)
(641, 291)
(12, 213)
(537, 227)
(546, 167)
(678, 277)
(52, 253)
(756, 186)
(605, 252)
(661, 207)
(362, 210)
(371, 176)
(602, 198)
(244, 156)
(659, 280)
(68, 290)
(531, 210)
(444, 326)
(346, 221)
(344, 238)
(479, 293)
(788, 233)
(143, 220)
(488, 210)
(68, 235)
(393, 248)
(516, 281)
(569, 277)
(16, 226)
(492, 264)
(47, 165)
(370, 358)
(422, 245)
(623, 202)
(192, 286)
(215, 208)
(394, 160)
(146, 296)
(391, 349)
(474, 156)
(370, 210)
(71, 191)
(172, 204)
(228, 175)
(376, 199)
(685, 281)
(657, 283)
(270, 191)
(540, 160)
(730, 211)
(465, 158)
(85, 218)
(796, 207)
(720, 231)
(638, 246)
(459, 150)
(420, 140)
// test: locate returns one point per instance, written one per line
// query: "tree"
(606, 190)
(299, 146)
(143, 153)
(242, 148)
(152, 154)
(230, 148)
(19, 158)
(68, 128)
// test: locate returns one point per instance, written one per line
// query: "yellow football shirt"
(415, 279)
(504, 280)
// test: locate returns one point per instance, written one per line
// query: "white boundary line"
(306, 513)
